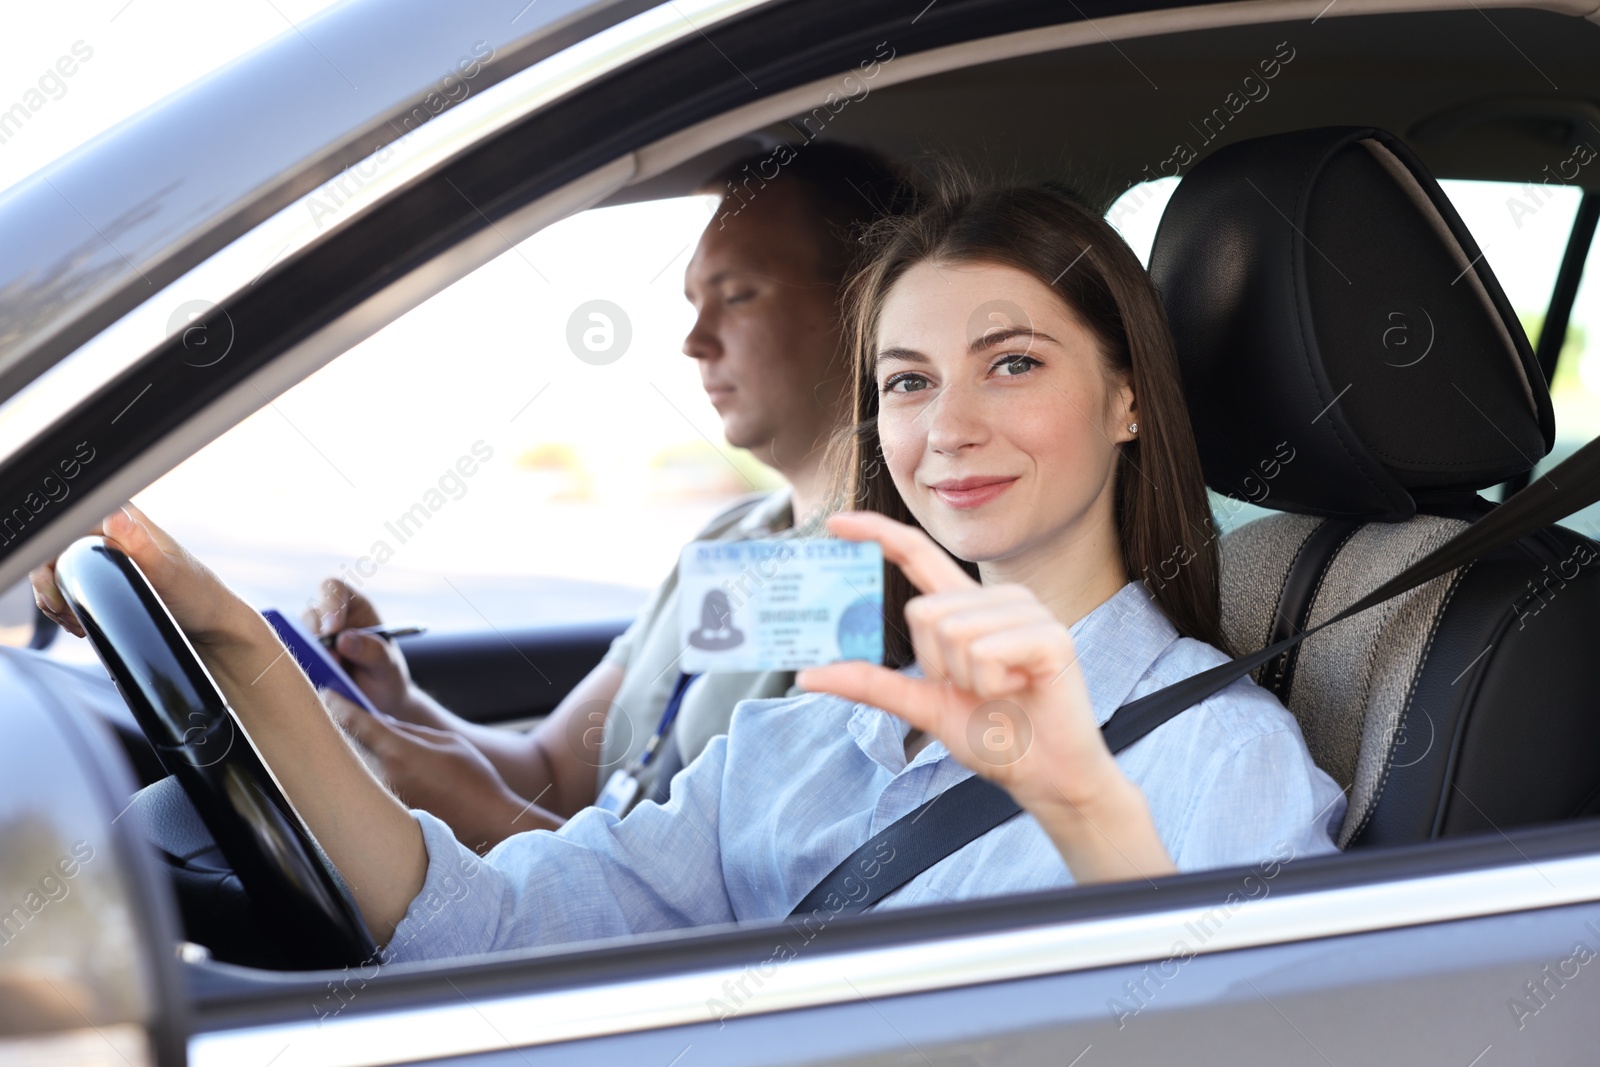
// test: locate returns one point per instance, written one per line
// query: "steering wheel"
(200, 741)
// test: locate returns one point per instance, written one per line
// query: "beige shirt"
(649, 651)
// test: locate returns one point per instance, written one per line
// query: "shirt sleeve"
(623, 645)
(598, 876)
(1260, 799)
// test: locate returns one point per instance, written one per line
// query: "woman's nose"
(956, 420)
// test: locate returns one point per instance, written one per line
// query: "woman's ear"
(1125, 406)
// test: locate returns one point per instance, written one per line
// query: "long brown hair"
(1164, 523)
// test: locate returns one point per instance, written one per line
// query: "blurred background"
(596, 472)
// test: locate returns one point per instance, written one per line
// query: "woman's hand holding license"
(1002, 690)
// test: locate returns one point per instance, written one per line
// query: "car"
(178, 274)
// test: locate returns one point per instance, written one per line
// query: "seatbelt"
(974, 806)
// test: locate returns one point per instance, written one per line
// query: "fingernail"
(329, 621)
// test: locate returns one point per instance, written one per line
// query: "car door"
(1439, 953)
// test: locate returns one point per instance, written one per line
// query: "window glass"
(529, 446)
(1576, 388)
(1137, 212)
(1523, 231)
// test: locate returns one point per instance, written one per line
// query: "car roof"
(107, 226)
(1460, 86)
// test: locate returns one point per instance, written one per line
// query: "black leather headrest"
(1329, 304)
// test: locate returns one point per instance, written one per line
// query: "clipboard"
(317, 662)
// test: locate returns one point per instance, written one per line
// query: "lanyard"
(622, 788)
(674, 703)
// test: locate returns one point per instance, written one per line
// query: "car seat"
(1351, 363)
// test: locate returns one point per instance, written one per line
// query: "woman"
(1017, 398)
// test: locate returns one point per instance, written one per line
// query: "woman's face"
(998, 419)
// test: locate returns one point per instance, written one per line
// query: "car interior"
(1447, 711)
(1503, 704)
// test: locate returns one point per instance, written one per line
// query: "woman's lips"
(966, 493)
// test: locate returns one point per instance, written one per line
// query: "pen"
(386, 632)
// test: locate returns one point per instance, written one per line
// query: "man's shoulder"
(728, 519)
(661, 607)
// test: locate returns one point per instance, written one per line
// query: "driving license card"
(779, 605)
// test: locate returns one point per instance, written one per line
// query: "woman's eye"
(1011, 366)
(740, 297)
(911, 383)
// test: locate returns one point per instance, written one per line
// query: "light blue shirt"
(799, 783)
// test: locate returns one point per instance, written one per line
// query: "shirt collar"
(1117, 644)
(772, 515)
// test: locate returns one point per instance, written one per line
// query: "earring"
(1133, 427)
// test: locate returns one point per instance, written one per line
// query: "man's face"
(766, 332)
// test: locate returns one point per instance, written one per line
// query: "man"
(765, 282)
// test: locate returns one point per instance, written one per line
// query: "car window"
(529, 446)
(1526, 230)
(1137, 212)
(1522, 231)
(1576, 389)
(521, 374)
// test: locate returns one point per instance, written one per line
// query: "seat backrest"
(1351, 361)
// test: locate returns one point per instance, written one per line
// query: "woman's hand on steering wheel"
(355, 822)
(201, 604)
(1004, 693)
